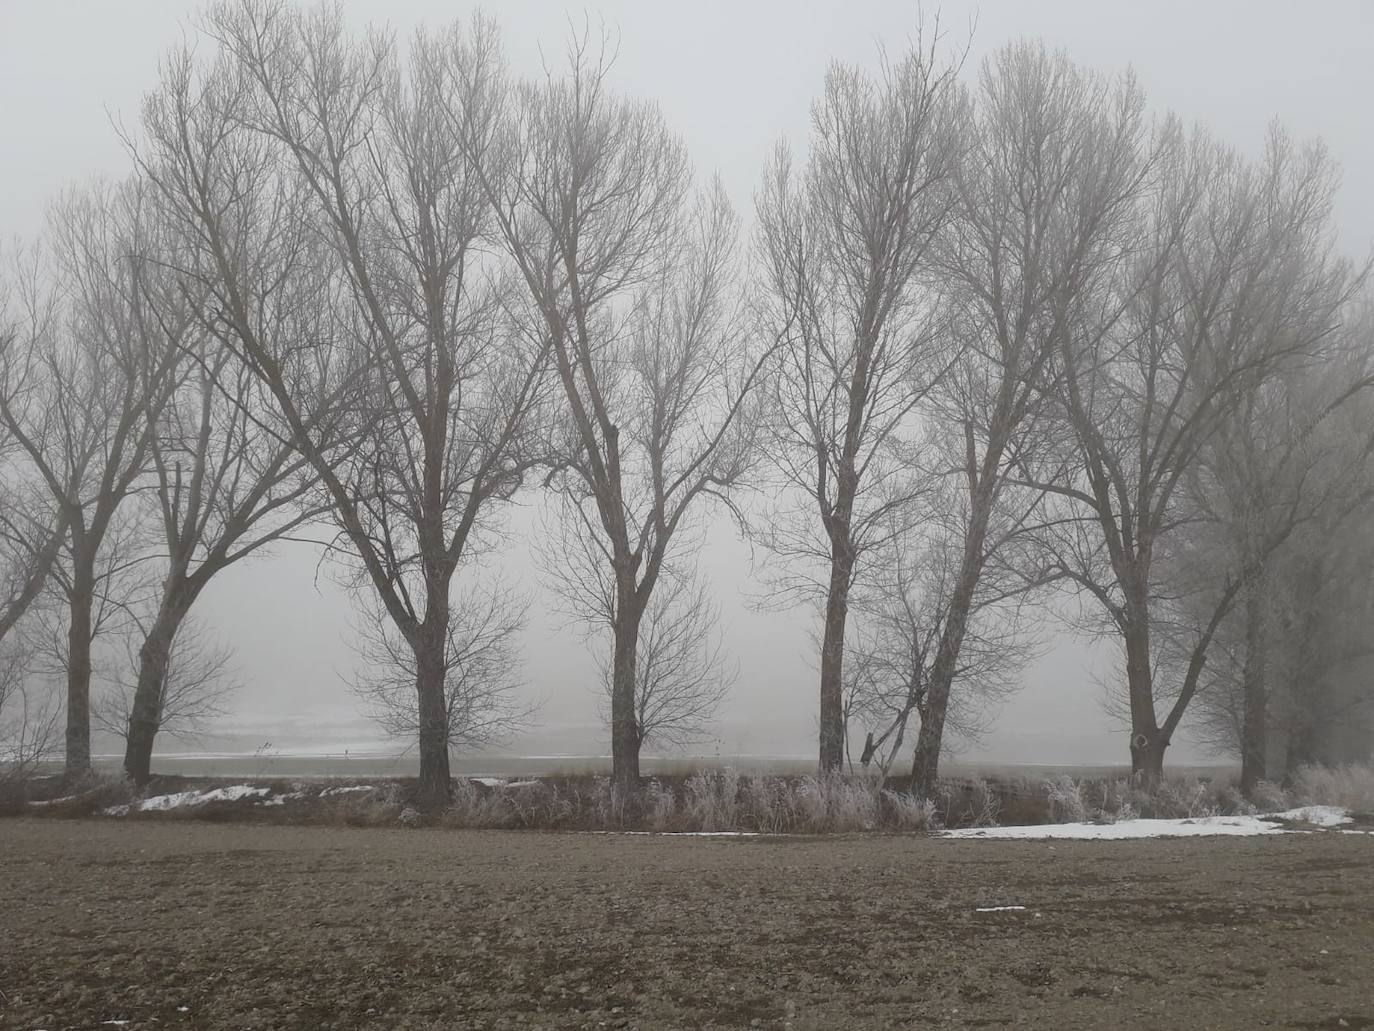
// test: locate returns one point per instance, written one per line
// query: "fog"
(732, 78)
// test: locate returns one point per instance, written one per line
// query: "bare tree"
(30, 715)
(481, 676)
(1051, 171)
(682, 673)
(335, 194)
(79, 391)
(845, 250)
(1294, 452)
(227, 480)
(197, 680)
(904, 611)
(631, 274)
(1227, 277)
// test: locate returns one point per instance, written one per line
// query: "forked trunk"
(625, 732)
(145, 716)
(832, 729)
(435, 789)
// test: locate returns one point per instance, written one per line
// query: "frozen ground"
(180, 924)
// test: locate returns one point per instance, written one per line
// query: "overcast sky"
(732, 77)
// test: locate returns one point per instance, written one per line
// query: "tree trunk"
(1147, 743)
(625, 734)
(1254, 749)
(145, 717)
(832, 730)
(925, 765)
(436, 786)
(80, 605)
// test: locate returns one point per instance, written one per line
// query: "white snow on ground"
(1317, 815)
(159, 803)
(488, 782)
(349, 790)
(690, 834)
(55, 801)
(1202, 826)
(1000, 909)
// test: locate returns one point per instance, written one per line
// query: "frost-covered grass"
(710, 802)
(729, 801)
(1349, 786)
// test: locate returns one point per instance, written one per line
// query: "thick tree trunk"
(625, 731)
(1147, 743)
(1254, 747)
(82, 600)
(145, 716)
(436, 787)
(832, 729)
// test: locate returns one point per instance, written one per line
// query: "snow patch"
(488, 782)
(1316, 815)
(349, 790)
(1125, 830)
(181, 799)
(1000, 909)
(54, 801)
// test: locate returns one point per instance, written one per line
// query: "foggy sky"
(732, 78)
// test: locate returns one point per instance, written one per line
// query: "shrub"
(1349, 786)
(1270, 797)
(769, 804)
(907, 812)
(658, 806)
(971, 803)
(1066, 801)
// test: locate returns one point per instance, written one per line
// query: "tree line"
(993, 346)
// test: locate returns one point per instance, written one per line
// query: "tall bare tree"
(1052, 169)
(1228, 276)
(79, 395)
(631, 273)
(334, 188)
(845, 248)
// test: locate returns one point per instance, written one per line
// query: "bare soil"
(199, 925)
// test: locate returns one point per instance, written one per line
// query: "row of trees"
(983, 344)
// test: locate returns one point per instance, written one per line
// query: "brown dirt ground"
(201, 925)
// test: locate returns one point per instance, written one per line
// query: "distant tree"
(30, 714)
(481, 676)
(682, 672)
(1289, 473)
(845, 251)
(197, 680)
(903, 612)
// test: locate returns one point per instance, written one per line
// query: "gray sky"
(732, 77)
